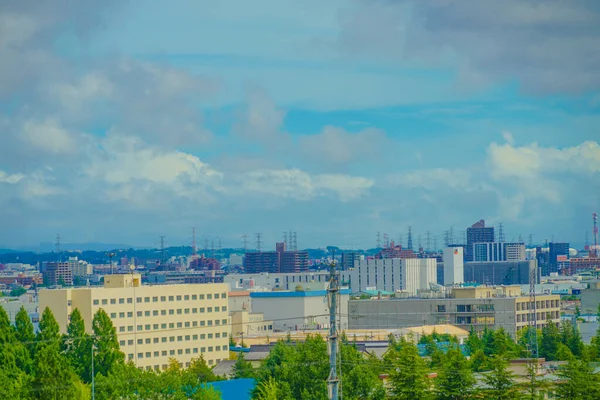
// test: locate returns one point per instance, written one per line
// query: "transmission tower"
(428, 241)
(163, 253)
(386, 240)
(258, 242)
(194, 248)
(446, 238)
(245, 238)
(530, 240)
(435, 248)
(295, 241)
(57, 248)
(285, 239)
(451, 235)
(409, 245)
(419, 243)
(378, 240)
(595, 219)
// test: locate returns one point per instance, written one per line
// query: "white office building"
(393, 274)
(499, 251)
(454, 267)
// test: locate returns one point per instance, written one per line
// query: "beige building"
(244, 323)
(153, 323)
(495, 307)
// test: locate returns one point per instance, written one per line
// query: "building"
(348, 260)
(153, 323)
(21, 278)
(577, 265)
(466, 307)
(393, 274)
(498, 251)
(454, 268)
(395, 251)
(80, 268)
(239, 301)
(478, 233)
(245, 323)
(501, 273)
(557, 253)
(273, 281)
(278, 261)
(299, 310)
(58, 273)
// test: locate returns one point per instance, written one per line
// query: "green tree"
(455, 380)
(242, 368)
(577, 312)
(408, 380)
(474, 342)
(577, 381)
(571, 338)
(270, 389)
(77, 345)
(24, 327)
(106, 346)
(500, 381)
(13, 381)
(550, 341)
(16, 292)
(201, 371)
(53, 377)
(479, 361)
(360, 374)
(532, 387)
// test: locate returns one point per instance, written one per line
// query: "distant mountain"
(48, 247)
(7, 251)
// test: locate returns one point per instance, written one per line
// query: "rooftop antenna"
(409, 244)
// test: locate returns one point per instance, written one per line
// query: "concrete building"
(58, 273)
(478, 233)
(299, 310)
(153, 323)
(79, 268)
(454, 268)
(590, 297)
(278, 261)
(498, 251)
(557, 252)
(466, 307)
(349, 259)
(245, 323)
(393, 274)
(239, 300)
(501, 273)
(274, 281)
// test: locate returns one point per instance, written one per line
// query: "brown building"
(276, 261)
(576, 265)
(22, 279)
(58, 273)
(395, 251)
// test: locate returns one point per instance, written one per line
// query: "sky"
(122, 121)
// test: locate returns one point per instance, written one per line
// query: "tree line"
(48, 365)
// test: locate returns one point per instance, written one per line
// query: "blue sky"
(123, 121)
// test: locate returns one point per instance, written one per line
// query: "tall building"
(501, 272)
(276, 261)
(58, 273)
(453, 265)
(153, 323)
(79, 268)
(348, 260)
(557, 253)
(478, 233)
(498, 251)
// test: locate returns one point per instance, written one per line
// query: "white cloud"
(261, 120)
(10, 178)
(48, 135)
(432, 179)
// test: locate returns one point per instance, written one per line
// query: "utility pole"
(93, 379)
(333, 380)
(110, 257)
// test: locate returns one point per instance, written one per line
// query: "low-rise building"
(466, 307)
(393, 274)
(153, 323)
(501, 272)
(245, 323)
(300, 309)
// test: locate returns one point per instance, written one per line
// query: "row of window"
(156, 299)
(540, 316)
(181, 338)
(165, 353)
(172, 311)
(539, 304)
(165, 366)
(173, 325)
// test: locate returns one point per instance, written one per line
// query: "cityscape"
(299, 200)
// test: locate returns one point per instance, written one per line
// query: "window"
(225, 347)
(218, 348)
(163, 312)
(138, 300)
(121, 315)
(163, 326)
(104, 302)
(179, 298)
(121, 301)
(194, 311)
(209, 309)
(171, 352)
(210, 349)
(156, 353)
(154, 299)
(209, 297)
(224, 294)
(224, 334)
(187, 351)
(202, 323)
(210, 335)
(171, 338)
(121, 329)
(140, 341)
(216, 295)
(163, 339)
(155, 340)
(179, 338)
(201, 309)
(155, 326)
(171, 298)
(171, 325)
(441, 308)
(224, 308)
(155, 313)
(201, 296)
(179, 311)
(194, 337)
(186, 311)
(129, 314)
(217, 335)
(113, 315)
(130, 328)
(217, 309)
(121, 343)
(140, 327)
(202, 336)
(179, 325)
(163, 298)
(224, 321)
(217, 322)
(194, 323)
(186, 297)
(139, 313)
(146, 299)
(187, 324)
(195, 350)
(203, 349)
(171, 312)
(148, 354)
(130, 342)
(147, 327)
(461, 308)
(113, 301)
(163, 353)
(194, 297)
(209, 322)
(130, 356)
(129, 300)
(180, 351)
(187, 338)
(96, 302)
(148, 341)
(147, 313)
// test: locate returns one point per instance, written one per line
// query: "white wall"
(454, 268)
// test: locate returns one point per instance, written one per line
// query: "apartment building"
(498, 251)
(57, 273)
(153, 323)
(466, 307)
(393, 274)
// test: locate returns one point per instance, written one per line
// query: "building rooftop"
(309, 293)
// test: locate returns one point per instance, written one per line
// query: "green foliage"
(577, 381)
(571, 338)
(408, 380)
(200, 370)
(479, 361)
(270, 389)
(49, 330)
(474, 342)
(455, 380)
(24, 327)
(500, 381)
(242, 368)
(77, 346)
(16, 292)
(550, 340)
(106, 345)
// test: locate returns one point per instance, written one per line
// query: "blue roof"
(310, 293)
(235, 389)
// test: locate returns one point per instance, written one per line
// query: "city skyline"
(121, 122)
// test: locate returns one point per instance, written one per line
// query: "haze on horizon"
(124, 121)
